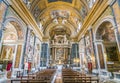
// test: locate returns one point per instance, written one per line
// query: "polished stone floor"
(58, 77)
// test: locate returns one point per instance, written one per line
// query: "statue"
(40, 25)
(30, 54)
(36, 59)
(55, 39)
(65, 40)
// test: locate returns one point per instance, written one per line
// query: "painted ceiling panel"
(68, 14)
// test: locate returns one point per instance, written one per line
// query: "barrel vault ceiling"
(59, 17)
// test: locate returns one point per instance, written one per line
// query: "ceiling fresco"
(54, 13)
(60, 13)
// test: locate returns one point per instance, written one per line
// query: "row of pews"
(70, 76)
(44, 76)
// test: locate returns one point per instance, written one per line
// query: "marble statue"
(55, 39)
(30, 55)
(65, 39)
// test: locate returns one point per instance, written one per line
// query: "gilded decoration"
(58, 14)
(108, 12)
(8, 52)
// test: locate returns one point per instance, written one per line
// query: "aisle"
(58, 78)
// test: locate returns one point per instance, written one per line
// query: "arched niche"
(12, 41)
(106, 43)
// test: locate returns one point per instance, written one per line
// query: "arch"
(8, 36)
(20, 30)
(108, 46)
(105, 19)
(49, 27)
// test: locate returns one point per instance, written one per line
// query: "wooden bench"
(44, 76)
(70, 76)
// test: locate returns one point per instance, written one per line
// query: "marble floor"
(58, 78)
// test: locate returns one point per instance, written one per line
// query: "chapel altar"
(60, 50)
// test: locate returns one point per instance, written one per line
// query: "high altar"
(60, 50)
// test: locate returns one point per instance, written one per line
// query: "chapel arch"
(13, 36)
(107, 47)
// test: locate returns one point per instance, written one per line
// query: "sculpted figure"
(65, 40)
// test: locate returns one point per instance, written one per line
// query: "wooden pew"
(44, 76)
(70, 76)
